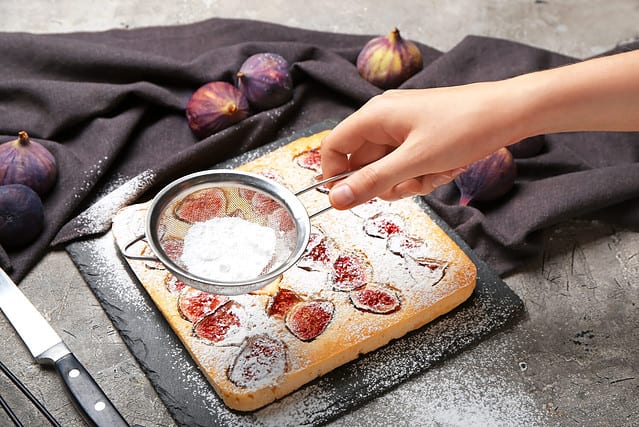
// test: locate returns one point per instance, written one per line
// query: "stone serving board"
(193, 402)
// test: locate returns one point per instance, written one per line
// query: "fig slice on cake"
(376, 299)
(309, 319)
(261, 360)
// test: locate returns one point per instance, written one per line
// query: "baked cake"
(369, 275)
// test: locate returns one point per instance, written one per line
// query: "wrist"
(514, 108)
(526, 96)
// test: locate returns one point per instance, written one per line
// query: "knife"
(47, 348)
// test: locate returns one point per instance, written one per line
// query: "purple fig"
(265, 80)
(21, 215)
(527, 147)
(487, 179)
(215, 106)
(387, 61)
(23, 161)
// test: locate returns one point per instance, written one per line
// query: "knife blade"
(47, 348)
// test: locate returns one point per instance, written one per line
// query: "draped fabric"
(111, 108)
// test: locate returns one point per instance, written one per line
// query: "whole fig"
(21, 215)
(215, 106)
(23, 161)
(488, 178)
(387, 61)
(265, 80)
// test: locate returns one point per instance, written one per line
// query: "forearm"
(601, 94)
(410, 141)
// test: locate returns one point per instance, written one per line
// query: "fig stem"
(464, 200)
(23, 138)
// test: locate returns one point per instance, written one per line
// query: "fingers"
(421, 185)
(359, 188)
(367, 155)
(392, 156)
(373, 179)
(361, 129)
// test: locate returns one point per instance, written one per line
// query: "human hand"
(408, 142)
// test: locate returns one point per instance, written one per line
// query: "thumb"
(366, 183)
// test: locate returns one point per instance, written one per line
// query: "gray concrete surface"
(572, 360)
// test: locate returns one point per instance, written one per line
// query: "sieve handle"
(319, 184)
(324, 181)
(133, 256)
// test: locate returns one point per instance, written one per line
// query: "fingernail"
(342, 195)
(441, 180)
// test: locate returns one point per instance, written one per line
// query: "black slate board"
(191, 400)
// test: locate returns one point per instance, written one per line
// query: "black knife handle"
(87, 395)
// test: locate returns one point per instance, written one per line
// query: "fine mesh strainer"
(218, 195)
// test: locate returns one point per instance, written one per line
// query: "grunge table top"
(571, 359)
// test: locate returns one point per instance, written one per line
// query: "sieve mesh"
(207, 201)
(241, 197)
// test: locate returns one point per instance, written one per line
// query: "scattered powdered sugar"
(91, 175)
(97, 218)
(228, 249)
(107, 274)
(480, 387)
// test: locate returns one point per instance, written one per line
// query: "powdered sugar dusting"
(464, 391)
(91, 175)
(108, 275)
(228, 249)
(261, 361)
(97, 218)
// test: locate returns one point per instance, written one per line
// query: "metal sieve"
(217, 194)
